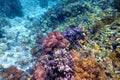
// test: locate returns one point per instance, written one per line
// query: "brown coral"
(13, 73)
(87, 68)
(39, 73)
(54, 40)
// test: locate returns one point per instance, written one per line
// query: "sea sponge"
(54, 40)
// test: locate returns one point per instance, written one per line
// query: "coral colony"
(72, 40)
(54, 40)
(56, 62)
(73, 35)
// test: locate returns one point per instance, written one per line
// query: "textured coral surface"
(54, 40)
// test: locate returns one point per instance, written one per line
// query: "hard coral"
(13, 73)
(54, 40)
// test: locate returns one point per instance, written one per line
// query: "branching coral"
(54, 40)
(58, 65)
(87, 68)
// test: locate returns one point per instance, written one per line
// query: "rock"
(3, 46)
(117, 4)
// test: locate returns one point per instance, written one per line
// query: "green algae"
(2, 52)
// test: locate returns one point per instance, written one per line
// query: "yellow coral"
(96, 47)
(117, 50)
(113, 57)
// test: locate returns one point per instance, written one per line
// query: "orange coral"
(87, 68)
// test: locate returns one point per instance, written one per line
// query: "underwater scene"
(59, 39)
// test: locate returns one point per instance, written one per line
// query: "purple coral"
(58, 65)
(73, 35)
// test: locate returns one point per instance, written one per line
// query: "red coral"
(54, 40)
(39, 73)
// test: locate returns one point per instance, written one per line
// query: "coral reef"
(58, 15)
(75, 36)
(65, 55)
(57, 65)
(86, 67)
(115, 55)
(104, 21)
(54, 40)
(107, 49)
(13, 73)
(39, 73)
(10, 8)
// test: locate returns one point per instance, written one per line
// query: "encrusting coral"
(13, 73)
